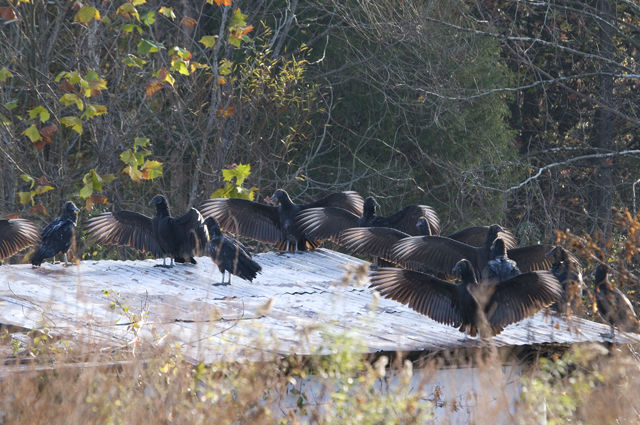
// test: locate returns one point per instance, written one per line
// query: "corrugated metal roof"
(311, 300)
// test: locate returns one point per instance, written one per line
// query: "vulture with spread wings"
(180, 238)
(17, 234)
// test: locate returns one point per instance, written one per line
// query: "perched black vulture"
(500, 266)
(329, 223)
(442, 253)
(229, 254)
(566, 268)
(180, 238)
(486, 307)
(275, 223)
(17, 234)
(56, 236)
(613, 306)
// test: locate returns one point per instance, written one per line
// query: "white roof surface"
(294, 306)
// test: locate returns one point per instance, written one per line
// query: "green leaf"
(128, 157)
(86, 191)
(4, 119)
(225, 67)
(86, 14)
(168, 12)
(132, 60)
(25, 197)
(235, 41)
(151, 169)
(39, 190)
(5, 74)
(181, 67)
(180, 52)
(149, 18)
(128, 28)
(140, 142)
(128, 11)
(74, 122)
(138, 2)
(39, 111)
(209, 41)
(28, 179)
(147, 46)
(11, 105)
(108, 178)
(32, 133)
(133, 173)
(238, 19)
(72, 99)
(93, 111)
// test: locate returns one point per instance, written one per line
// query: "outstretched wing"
(125, 228)
(325, 223)
(477, 235)
(246, 218)
(522, 296)
(15, 235)
(426, 294)
(405, 220)
(532, 257)
(348, 200)
(373, 241)
(191, 224)
(435, 253)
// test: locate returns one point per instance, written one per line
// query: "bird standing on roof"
(613, 306)
(180, 238)
(56, 236)
(484, 307)
(229, 254)
(274, 223)
(17, 234)
(566, 268)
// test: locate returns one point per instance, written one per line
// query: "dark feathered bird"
(56, 236)
(443, 253)
(229, 254)
(17, 234)
(485, 307)
(500, 266)
(180, 238)
(329, 223)
(566, 268)
(613, 306)
(275, 223)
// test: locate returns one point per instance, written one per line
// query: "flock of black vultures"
(476, 279)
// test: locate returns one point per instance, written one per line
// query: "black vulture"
(180, 238)
(274, 223)
(229, 254)
(329, 223)
(443, 253)
(500, 266)
(486, 307)
(613, 306)
(566, 268)
(17, 234)
(56, 236)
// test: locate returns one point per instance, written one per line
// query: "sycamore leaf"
(138, 2)
(181, 67)
(74, 122)
(238, 19)
(39, 190)
(149, 18)
(48, 131)
(93, 111)
(128, 28)
(28, 179)
(180, 52)
(164, 75)
(128, 157)
(168, 12)
(132, 60)
(86, 191)
(32, 133)
(25, 197)
(7, 13)
(140, 142)
(209, 41)
(240, 172)
(225, 67)
(5, 74)
(133, 173)
(153, 87)
(72, 99)
(128, 11)
(220, 2)
(188, 22)
(86, 14)
(39, 111)
(38, 209)
(147, 46)
(151, 169)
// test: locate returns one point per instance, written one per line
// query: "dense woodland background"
(517, 112)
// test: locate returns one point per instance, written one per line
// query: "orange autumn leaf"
(40, 144)
(48, 131)
(247, 30)
(188, 22)
(66, 86)
(223, 2)
(226, 112)
(7, 13)
(38, 209)
(153, 87)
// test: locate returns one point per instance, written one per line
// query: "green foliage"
(93, 182)
(34, 190)
(234, 178)
(137, 166)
